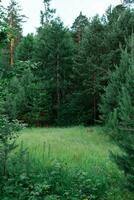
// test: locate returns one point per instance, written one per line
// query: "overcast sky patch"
(67, 10)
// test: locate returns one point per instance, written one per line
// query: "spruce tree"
(118, 109)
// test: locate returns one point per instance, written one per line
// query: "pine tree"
(118, 109)
(78, 27)
(88, 71)
(124, 128)
(3, 36)
(109, 102)
(54, 51)
(15, 20)
(47, 15)
(25, 48)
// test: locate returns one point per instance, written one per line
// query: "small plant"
(8, 135)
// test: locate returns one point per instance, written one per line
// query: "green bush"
(55, 182)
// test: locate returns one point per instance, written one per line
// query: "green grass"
(78, 148)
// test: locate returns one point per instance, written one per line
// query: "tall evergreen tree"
(47, 15)
(118, 111)
(14, 19)
(3, 37)
(109, 102)
(54, 51)
(79, 26)
(122, 120)
(88, 71)
(25, 48)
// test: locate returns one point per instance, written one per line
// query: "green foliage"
(88, 70)
(124, 128)
(64, 84)
(8, 137)
(57, 80)
(109, 102)
(118, 112)
(12, 26)
(55, 66)
(51, 178)
(22, 96)
(25, 48)
(47, 15)
(3, 28)
(54, 183)
(14, 19)
(79, 26)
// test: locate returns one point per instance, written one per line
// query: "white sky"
(67, 10)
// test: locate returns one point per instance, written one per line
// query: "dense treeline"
(83, 75)
(58, 75)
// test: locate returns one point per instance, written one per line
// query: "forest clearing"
(66, 100)
(77, 152)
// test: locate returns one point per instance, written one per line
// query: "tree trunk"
(94, 99)
(58, 83)
(12, 44)
(79, 36)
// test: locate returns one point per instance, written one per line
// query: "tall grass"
(78, 146)
(78, 150)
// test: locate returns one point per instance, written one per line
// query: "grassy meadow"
(77, 149)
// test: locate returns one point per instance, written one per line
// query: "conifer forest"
(67, 105)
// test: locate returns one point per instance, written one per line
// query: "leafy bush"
(8, 135)
(55, 182)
